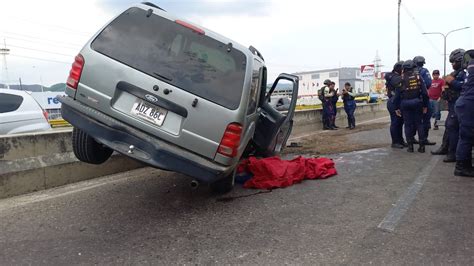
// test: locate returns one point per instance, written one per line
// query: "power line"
(40, 59)
(420, 28)
(35, 38)
(39, 50)
(58, 28)
(41, 42)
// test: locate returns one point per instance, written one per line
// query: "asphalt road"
(385, 207)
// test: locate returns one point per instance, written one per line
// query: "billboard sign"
(367, 72)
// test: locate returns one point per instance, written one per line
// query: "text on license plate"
(149, 112)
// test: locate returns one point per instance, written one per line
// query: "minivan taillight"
(76, 71)
(231, 140)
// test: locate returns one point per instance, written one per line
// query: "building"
(312, 81)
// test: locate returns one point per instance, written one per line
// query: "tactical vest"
(321, 94)
(411, 86)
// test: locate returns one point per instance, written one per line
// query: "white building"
(312, 81)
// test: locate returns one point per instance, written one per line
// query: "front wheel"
(87, 149)
(225, 184)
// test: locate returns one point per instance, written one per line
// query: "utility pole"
(3, 53)
(398, 50)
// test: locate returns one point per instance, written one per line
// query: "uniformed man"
(451, 93)
(464, 108)
(322, 98)
(411, 101)
(348, 97)
(329, 93)
(334, 100)
(394, 80)
(425, 75)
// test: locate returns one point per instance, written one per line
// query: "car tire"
(225, 184)
(87, 149)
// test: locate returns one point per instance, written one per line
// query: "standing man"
(322, 98)
(348, 97)
(426, 77)
(434, 92)
(334, 100)
(465, 111)
(411, 101)
(394, 81)
(451, 93)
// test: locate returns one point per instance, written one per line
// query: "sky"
(293, 36)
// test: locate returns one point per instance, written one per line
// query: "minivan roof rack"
(256, 52)
(153, 5)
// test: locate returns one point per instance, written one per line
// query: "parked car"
(366, 97)
(20, 113)
(173, 95)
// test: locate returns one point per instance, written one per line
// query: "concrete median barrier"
(33, 162)
(311, 120)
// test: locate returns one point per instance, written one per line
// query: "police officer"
(334, 100)
(348, 97)
(451, 93)
(411, 101)
(322, 98)
(394, 80)
(425, 75)
(329, 93)
(464, 108)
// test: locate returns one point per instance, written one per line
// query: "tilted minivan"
(173, 95)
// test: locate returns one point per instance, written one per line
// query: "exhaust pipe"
(194, 184)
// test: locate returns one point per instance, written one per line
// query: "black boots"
(397, 146)
(429, 143)
(410, 147)
(421, 149)
(464, 168)
(443, 149)
(450, 158)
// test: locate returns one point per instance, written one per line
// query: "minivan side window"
(9, 103)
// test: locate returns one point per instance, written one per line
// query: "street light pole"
(445, 36)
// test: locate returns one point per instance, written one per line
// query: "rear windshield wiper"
(162, 77)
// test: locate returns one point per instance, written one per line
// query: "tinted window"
(176, 55)
(9, 103)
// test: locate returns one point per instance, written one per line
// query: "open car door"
(274, 127)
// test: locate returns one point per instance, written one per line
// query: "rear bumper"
(148, 149)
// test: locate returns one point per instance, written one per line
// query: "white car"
(20, 113)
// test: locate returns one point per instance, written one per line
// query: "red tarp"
(274, 172)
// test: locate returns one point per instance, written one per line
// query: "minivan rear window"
(175, 54)
(9, 102)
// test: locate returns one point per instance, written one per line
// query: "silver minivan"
(175, 96)
(20, 113)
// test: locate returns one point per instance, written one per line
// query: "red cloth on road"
(274, 172)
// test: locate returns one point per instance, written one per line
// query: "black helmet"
(327, 82)
(398, 67)
(457, 55)
(419, 60)
(408, 64)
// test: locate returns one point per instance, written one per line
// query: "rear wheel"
(225, 184)
(87, 149)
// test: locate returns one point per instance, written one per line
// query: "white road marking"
(395, 214)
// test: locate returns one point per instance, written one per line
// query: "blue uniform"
(452, 124)
(411, 98)
(349, 107)
(393, 80)
(426, 77)
(464, 108)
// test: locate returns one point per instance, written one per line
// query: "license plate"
(149, 112)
